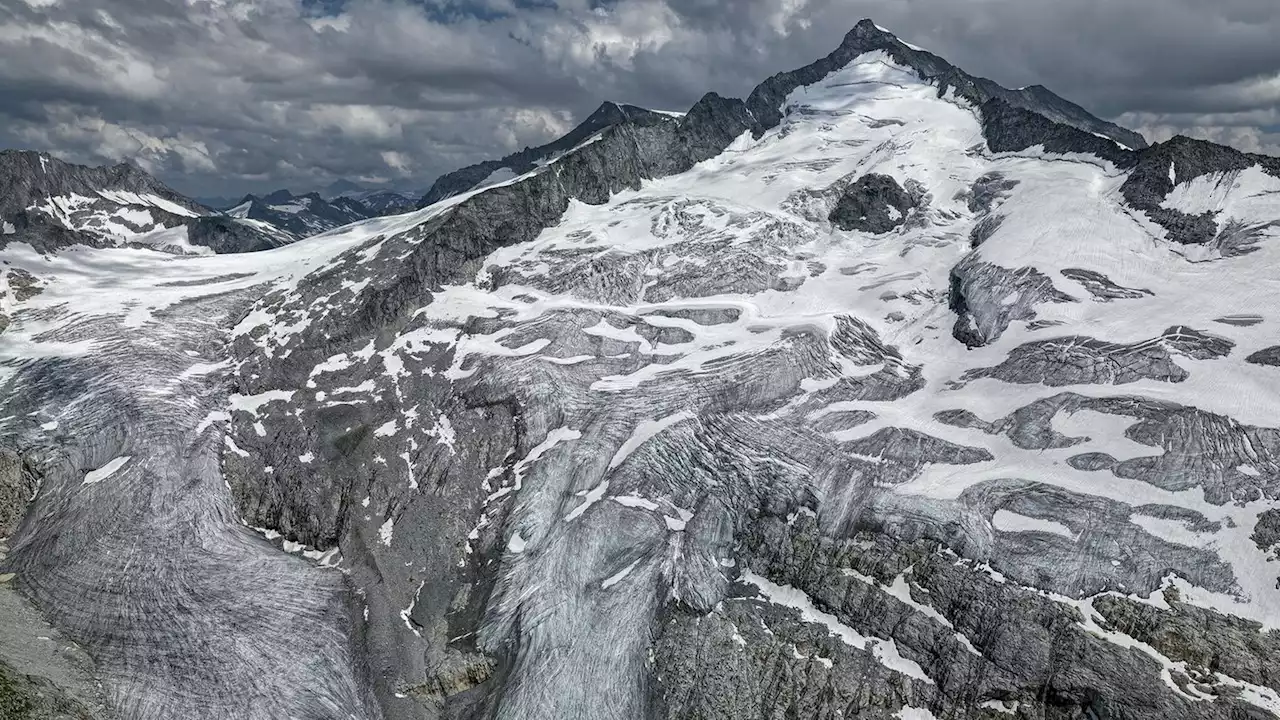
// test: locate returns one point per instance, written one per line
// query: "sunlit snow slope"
(912, 402)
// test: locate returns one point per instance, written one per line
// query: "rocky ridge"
(609, 114)
(50, 204)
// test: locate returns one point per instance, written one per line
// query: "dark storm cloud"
(219, 96)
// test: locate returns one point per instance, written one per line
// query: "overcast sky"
(223, 96)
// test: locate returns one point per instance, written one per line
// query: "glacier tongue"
(654, 428)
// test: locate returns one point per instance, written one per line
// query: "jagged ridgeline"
(887, 392)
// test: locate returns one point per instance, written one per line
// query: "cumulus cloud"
(224, 96)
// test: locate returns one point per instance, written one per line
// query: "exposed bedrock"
(890, 624)
(872, 203)
(31, 177)
(607, 115)
(1181, 160)
(556, 518)
(987, 297)
(1101, 287)
(18, 484)
(1088, 361)
(1009, 128)
(469, 475)
(28, 697)
(983, 199)
(225, 235)
(566, 558)
(1265, 356)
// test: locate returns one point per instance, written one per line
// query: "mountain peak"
(608, 106)
(278, 196)
(31, 177)
(867, 27)
(865, 402)
(867, 36)
(608, 114)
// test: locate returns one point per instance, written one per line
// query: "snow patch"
(1008, 521)
(620, 575)
(106, 471)
(643, 432)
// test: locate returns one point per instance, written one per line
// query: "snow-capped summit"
(866, 37)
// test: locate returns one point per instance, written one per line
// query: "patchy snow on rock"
(497, 177)
(885, 651)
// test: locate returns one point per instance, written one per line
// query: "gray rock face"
(50, 204)
(1101, 287)
(225, 235)
(1038, 110)
(773, 664)
(639, 435)
(1008, 127)
(1228, 460)
(43, 676)
(986, 298)
(1267, 532)
(982, 200)
(988, 190)
(17, 485)
(30, 177)
(873, 203)
(1180, 160)
(607, 115)
(1266, 356)
(23, 697)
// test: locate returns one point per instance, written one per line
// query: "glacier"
(884, 393)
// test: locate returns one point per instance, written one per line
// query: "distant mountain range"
(374, 197)
(301, 215)
(51, 204)
(341, 203)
